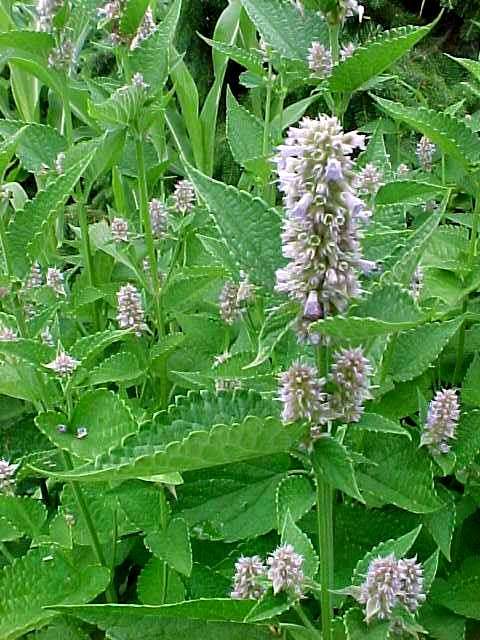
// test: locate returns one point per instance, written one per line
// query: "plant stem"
(306, 621)
(334, 32)
(266, 128)
(87, 256)
(67, 117)
(82, 505)
(163, 525)
(6, 553)
(325, 542)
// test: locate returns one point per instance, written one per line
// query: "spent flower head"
(350, 374)
(145, 30)
(369, 179)
(442, 420)
(425, 153)
(55, 280)
(34, 278)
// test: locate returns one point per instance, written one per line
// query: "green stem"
(306, 621)
(6, 553)
(334, 32)
(87, 256)
(67, 117)
(325, 541)
(82, 505)
(266, 128)
(163, 525)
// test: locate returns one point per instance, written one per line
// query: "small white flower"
(63, 365)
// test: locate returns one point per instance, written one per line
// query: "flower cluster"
(7, 472)
(119, 230)
(321, 231)
(184, 196)
(284, 570)
(131, 314)
(61, 57)
(302, 394)
(416, 285)
(425, 152)
(158, 217)
(145, 30)
(63, 365)
(369, 179)
(34, 278)
(55, 280)
(111, 14)
(46, 10)
(8, 335)
(391, 582)
(233, 298)
(60, 163)
(442, 419)
(320, 60)
(347, 51)
(351, 374)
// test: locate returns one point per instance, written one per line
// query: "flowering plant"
(239, 379)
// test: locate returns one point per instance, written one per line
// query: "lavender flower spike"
(379, 593)
(7, 472)
(184, 196)
(119, 230)
(285, 570)
(320, 60)
(63, 365)
(158, 217)
(55, 280)
(412, 595)
(301, 394)
(351, 374)
(246, 585)
(131, 314)
(442, 420)
(425, 152)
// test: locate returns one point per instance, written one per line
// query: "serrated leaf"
(460, 592)
(41, 578)
(36, 143)
(121, 108)
(357, 628)
(446, 248)
(358, 328)
(380, 424)
(471, 65)
(467, 439)
(132, 15)
(374, 57)
(283, 27)
(31, 351)
(249, 227)
(150, 582)
(122, 367)
(332, 462)
(107, 419)
(173, 546)
(430, 567)
(409, 192)
(244, 132)
(451, 134)
(400, 473)
(189, 287)
(293, 535)
(441, 623)
(26, 515)
(88, 347)
(417, 349)
(25, 232)
(62, 630)
(399, 547)
(250, 59)
(295, 494)
(471, 383)
(269, 606)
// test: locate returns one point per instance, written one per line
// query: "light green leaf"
(380, 424)
(173, 546)
(132, 15)
(374, 57)
(189, 287)
(358, 328)
(471, 383)
(37, 144)
(250, 59)
(441, 524)
(467, 439)
(451, 134)
(41, 578)
(122, 108)
(149, 584)
(441, 623)
(409, 192)
(105, 416)
(417, 349)
(296, 495)
(460, 592)
(122, 367)
(292, 534)
(26, 515)
(332, 462)
(357, 628)
(249, 227)
(244, 132)
(31, 351)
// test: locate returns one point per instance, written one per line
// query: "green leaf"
(41, 578)
(292, 534)
(26, 515)
(380, 424)
(190, 286)
(62, 629)
(399, 547)
(417, 349)
(132, 15)
(374, 57)
(107, 419)
(467, 439)
(31, 351)
(189, 443)
(26, 232)
(410, 192)
(296, 495)
(400, 473)
(149, 584)
(471, 65)
(173, 546)
(471, 383)
(460, 592)
(122, 108)
(446, 248)
(284, 28)
(357, 628)
(441, 525)
(250, 59)
(452, 135)
(430, 567)
(152, 57)
(122, 368)
(37, 144)
(441, 623)
(244, 132)
(358, 328)
(332, 462)
(249, 227)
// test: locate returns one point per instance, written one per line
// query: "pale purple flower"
(119, 230)
(55, 280)
(131, 314)
(411, 594)
(442, 419)
(380, 591)
(61, 57)
(350, 373)
(46, 10)
(34, 278)
(62, 428)
(246, 290)
(301, 394)
(347, 51)
(7, 473)
(82, 432)
(63, 365)
(321, 231)
(47, 337)
(60, 163)
(425, 152)
(320, 60)
(4, 291)
(417, 282)
(249, 572)
(233, 298)
(139, 82)
(158, 217)
(369, 179)
(8, 335)
(110, 10)
(184, 196)
(285, 570)
(145, 30)
(403, 169)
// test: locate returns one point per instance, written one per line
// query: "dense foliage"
(239, 325)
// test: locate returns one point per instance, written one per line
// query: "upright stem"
(96, 546)
(306, 621)
(334, 32)
(325, 542)
(163, 525)
(266, 127)
(67, 117)
(87, 256)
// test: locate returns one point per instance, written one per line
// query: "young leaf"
(374, 57)
(244, 132)
(293, 535)
(296, 495)
(410, 192)
(332, 462)
(26, 515)
(149, 584)
(173, 546)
